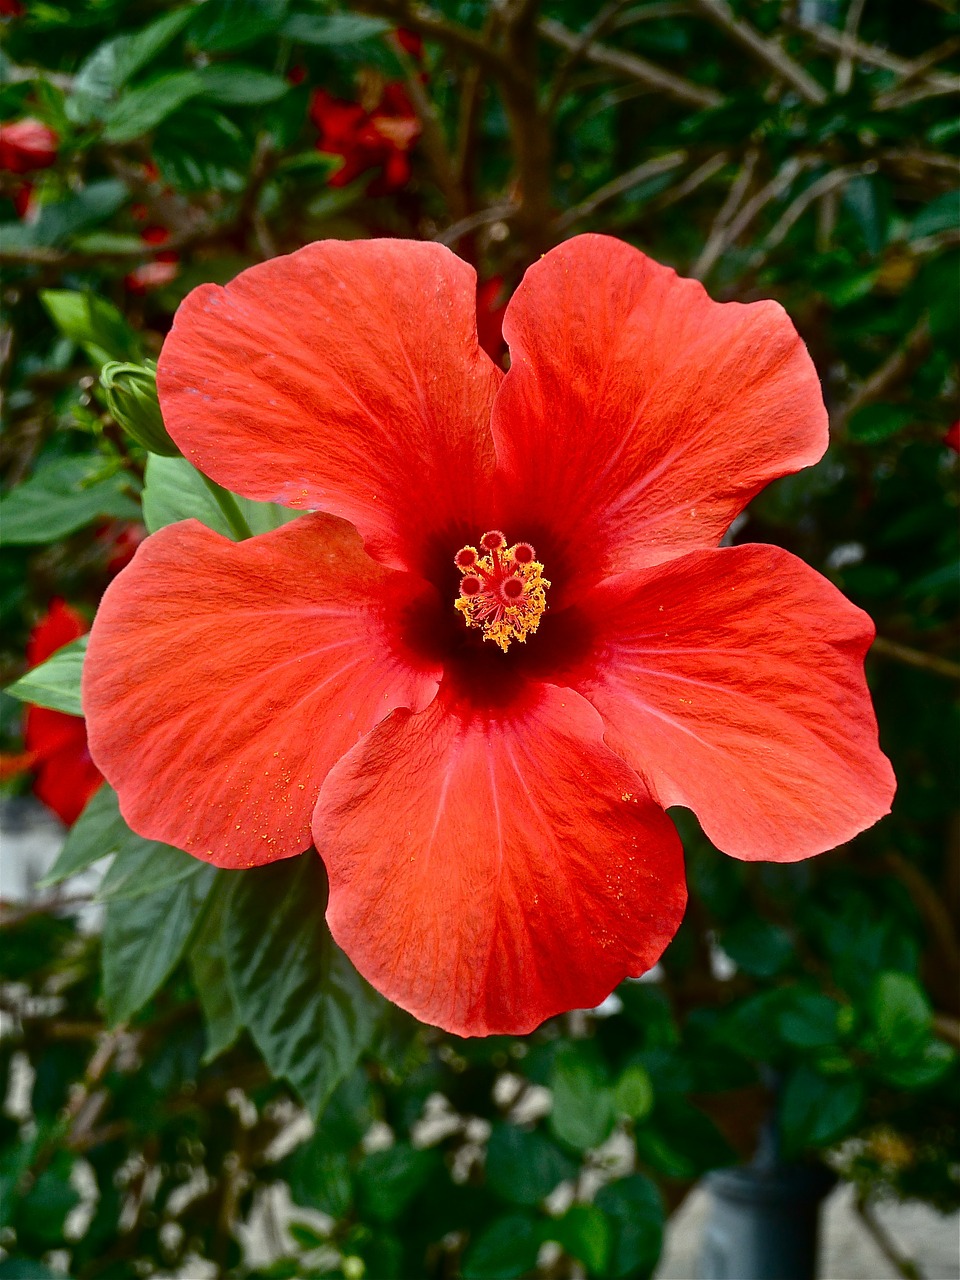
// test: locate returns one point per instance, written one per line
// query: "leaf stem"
(230, 508)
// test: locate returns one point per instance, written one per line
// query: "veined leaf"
(62, 497)
(92, 323)
(175, 490)
(56, 682)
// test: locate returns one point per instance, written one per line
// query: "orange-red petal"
(224, 679)
(492, 867)
(640, 415)
(344, 377)
(732, 681)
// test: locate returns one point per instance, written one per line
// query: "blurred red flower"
(26, 145)
(952, 438)
(484, 776)
(380, 138)
(65, 777)
(160, 270)
(11, 9)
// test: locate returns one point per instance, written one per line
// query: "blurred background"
(155, 1122)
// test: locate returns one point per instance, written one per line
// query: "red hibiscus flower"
(380, 138)
(56, 743)
(505, 638)
(163, 268)
(26, 145)
(491, 308)
(952, 438)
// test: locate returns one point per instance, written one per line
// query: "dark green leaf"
(310, 1013)
(223, 25)
(876, 422)
(815, 1111)
(388, 1180)
(942, 214)
(208, 965)
(757, 947)
(524, 1167)
(319, 1177)
(333, 29)
(506, 1249)
(144, 866)
(96, 202)
(144, 938)
(635, 1213)
(809, 1019)
(56, 682)
(96, 834)
(64, 496)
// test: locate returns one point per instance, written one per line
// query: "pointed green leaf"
(175, 490)
(96, 834)
(141, 109)
(208, 965)
(56, 682)
(310, 1013)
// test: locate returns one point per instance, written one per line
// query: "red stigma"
(466, 558)
(523, 553)
(503, 592)
(493, 541)
(512, 589)
(471, 586)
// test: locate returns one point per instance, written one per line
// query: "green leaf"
(319, 1177)
(634, 1211)
(144, 938)
(56, 682)
(144, 866)
(96, 834)
(309, 1012)
(175, 490)
(208, 965)
(876, 422)
(506, 1249)
(932, 1063)
(582, 1113)
(65, 218)
(942, 214)
(142, 109)
(223, 25)
(757, 947)
(63, 496)
(388, 1180)
(815, 1111)
(585, 1233)
(237, 85)
(335, 29)
(900, 1012)
(633, 1093)
(104, 73)
(809, 1020)
(524, 1167)
(92, 323)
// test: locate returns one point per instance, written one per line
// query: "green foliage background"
(804, 151)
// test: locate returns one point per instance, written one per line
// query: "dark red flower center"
(503, 590)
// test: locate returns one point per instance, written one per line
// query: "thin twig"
(633, 67)
(594, 30)
(474, 221)
(903, 1265)
(766, 51)
(829, 182)
(632, 178)
(893, 368)
(693, 181)
(843, 77)
(434, 143)
(850, 46)
(910, 657)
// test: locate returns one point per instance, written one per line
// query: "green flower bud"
(131, 396)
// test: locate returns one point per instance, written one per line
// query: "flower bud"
(131, 396)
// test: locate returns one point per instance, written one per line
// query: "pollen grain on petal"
(503, 592)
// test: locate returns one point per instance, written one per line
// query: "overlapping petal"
(732, 680)
(490, 867)
(345, 377)
(641, 413)
(224, 679)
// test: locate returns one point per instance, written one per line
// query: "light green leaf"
(56, 682)
(333, 29)
(901, 1013)
(582, 1113)
(144, 866)
(144, 938)
(62, 497)
(175, 490)
(92, 323)
(309, 1012)
(96, 834)
(104, 73)
(141, 109)
(237, 85)
(633, 1093)
(585, 1233)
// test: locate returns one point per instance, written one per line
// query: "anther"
(503, 592)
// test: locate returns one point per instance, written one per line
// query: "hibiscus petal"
(490, 868)
(346, 377)
(224, 679)
(732, 681)
(638, 413)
